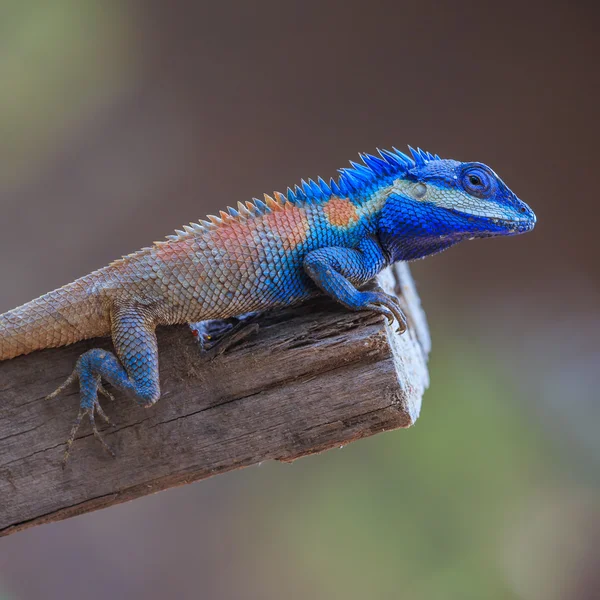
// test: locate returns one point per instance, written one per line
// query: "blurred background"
(122, 120)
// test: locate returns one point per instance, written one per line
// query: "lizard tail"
(64, 316)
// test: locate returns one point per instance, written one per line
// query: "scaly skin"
(332, 238)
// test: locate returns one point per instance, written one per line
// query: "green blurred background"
(121, 120)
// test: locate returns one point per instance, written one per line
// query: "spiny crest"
(243, 212)
(352, 181)
(379, 169)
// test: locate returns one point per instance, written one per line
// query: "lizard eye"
(476, 182)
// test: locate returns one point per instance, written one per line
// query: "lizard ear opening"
(420, 191)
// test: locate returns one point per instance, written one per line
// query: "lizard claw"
(382, 310)
(390, 307)
(89, 412)
(103, 414)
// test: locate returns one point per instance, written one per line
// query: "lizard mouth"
(518, 226)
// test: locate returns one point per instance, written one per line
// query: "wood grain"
(314, 377)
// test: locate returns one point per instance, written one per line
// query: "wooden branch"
(314, 377)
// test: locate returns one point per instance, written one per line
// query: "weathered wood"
(314, 377)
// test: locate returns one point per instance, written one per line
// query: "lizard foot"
(90, 385)
(238, 331)
(387, 305)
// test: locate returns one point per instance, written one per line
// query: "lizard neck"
(408, 230)
(405, 248)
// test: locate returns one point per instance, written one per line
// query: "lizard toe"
(72, 378)
(90, 383)
(389, 305)
(89, 413)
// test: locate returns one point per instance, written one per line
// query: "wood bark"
(314, 377)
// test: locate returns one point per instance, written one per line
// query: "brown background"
(168, 110)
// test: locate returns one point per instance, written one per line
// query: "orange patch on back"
(340, 212)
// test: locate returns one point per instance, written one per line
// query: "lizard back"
(245, 260)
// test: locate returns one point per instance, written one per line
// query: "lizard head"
(436, 203)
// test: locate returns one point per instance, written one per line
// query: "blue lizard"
(332, 237)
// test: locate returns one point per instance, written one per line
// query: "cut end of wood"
(410, 351)
(313, 378)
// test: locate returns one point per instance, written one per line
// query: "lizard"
(318, 237)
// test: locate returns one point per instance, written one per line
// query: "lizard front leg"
(134, 372)
(337, 271)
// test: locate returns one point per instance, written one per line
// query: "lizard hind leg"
(134, 372)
